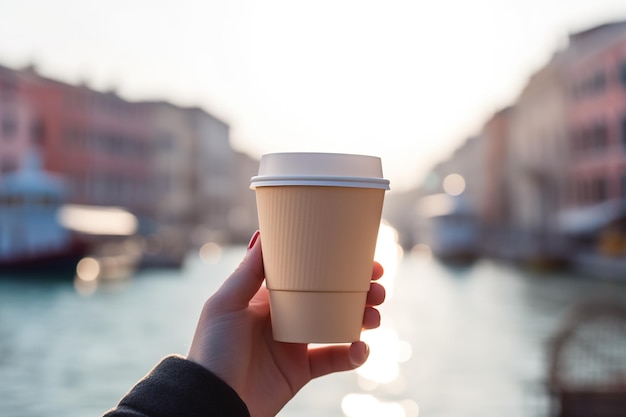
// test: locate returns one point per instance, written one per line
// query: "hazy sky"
(404, 80)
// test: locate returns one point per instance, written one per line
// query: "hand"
(234, 341)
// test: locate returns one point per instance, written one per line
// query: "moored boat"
(31, 238)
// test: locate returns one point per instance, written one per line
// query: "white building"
(538, 157)
(214, 172)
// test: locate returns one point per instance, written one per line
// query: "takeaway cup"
(319, 215)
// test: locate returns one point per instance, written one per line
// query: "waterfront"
(459, 341)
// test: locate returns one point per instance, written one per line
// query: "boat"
(448, 226)
(32, 240)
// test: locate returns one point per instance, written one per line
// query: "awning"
(590, 219)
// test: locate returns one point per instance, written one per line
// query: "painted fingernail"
(253, 239)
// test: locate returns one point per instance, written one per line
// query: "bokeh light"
(454, 184)
(88, 269)
(210, 253)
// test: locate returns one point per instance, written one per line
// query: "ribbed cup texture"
(319, 238)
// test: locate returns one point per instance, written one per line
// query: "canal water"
(454, 341)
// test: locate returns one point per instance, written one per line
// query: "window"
(590, 85)
(15, 201)
(8, 85)
(166, 141)
(622, 73)
(599, 82)
(582, 192)
(575, 141)
(600, 136)
(624, 131)
(8, 165)
(37, 133)
(598, 190)
(9, 127)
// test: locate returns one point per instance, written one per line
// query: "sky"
(408, 81)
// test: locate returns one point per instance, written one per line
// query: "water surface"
(468, 341)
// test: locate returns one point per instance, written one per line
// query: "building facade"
(99, 142)
(537, 156)
(597, 116)
(214, 168)
(556, 160)
(171, 166)
(17, 123)
(495, 210)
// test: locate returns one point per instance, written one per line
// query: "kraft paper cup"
(319, 216)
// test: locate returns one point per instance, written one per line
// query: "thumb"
(239, 288)
(337, 358)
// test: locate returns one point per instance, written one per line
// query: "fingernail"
(253, 239)
(361, 354)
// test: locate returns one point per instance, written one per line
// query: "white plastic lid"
(320, 169)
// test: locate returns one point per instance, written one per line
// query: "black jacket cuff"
(181, 388)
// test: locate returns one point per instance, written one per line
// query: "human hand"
(234, 341)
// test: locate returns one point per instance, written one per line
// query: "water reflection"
(459, 341)
(382, 365)
(365, 405)
(387, 351)
(389, 254)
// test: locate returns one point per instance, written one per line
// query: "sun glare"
(366, 405)
(387, 351)
(388, 253)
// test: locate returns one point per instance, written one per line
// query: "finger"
(371, 318)
(376, 295)
(377, 271)
(239, 288)
(337, 358)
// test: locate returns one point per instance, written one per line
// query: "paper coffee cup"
(319, 216)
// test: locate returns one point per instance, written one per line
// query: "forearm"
(181, 388)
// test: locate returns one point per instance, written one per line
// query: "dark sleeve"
(181, 388)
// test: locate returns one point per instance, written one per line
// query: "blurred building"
(450, 201)
(537, 155)
(173, 148)
(173, 167)
(554, 163)
(469, 161)
(99, 142)
(214, 172)
(463, 173)
(242, 218)
(495, 211)
(17, 123)
(597, 125)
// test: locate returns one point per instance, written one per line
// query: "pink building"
(99, 142)
(112, 152)
(17, 123)
(597, 115)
